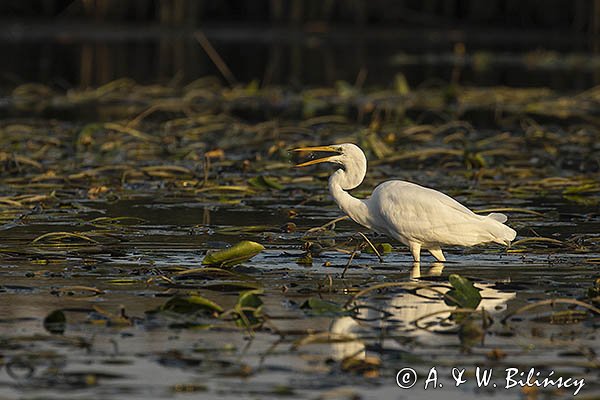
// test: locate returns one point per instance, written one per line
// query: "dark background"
(80, 43)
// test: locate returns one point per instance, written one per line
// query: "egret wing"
(410, 212)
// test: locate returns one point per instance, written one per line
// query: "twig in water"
(551, 302)
(323, 227)
(350, 261)
(372, 247)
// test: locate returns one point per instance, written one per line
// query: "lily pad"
(463, 294)
(248, 308)
(191, 304)
(317, 306)
(263, 182)
(382, 248)
(234, 255)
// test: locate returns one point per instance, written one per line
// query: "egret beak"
(328, 149)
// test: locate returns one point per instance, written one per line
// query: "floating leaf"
(206, 273)
(463, 294)
(60, 236)
(306, 259)
(585, 188)
(317, 306)
(248, 309)
(237, 230)
(250, 299)
(567, 317)
(382, 248)
(55, 322)
(191, 304)
(539, 241)
(109, 221)
(263, 182)
(584, 200)
(72, 290)
(236, 254)
(225, 188)
(123, 281)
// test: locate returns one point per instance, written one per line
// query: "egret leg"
(415, 250)
(437, 253)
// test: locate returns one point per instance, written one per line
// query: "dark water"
(89, 56)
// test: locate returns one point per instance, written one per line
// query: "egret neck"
(346, 178)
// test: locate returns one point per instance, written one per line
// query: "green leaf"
(463, 294)
(249, 307)
(584, 188)
(191, 304)
(382, 248)
(401, 84)
(206, 273)
(55, 322)
(263, 182)
(306, 259)
(585, 200)
(317, 306)
(236, 254)
(250, 299)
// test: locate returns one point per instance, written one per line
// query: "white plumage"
(417, 216)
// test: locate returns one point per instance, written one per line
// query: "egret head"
(348, 156)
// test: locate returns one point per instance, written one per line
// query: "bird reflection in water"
(395, 315)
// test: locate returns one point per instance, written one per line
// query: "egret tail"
(502, 234)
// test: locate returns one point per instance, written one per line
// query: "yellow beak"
(328, 149)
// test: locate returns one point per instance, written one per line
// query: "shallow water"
(110, 280)
(92, 358)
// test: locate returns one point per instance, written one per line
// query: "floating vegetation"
(191, 304)
(463, 294)
(151, 230)
(236, 254)
(316, 306)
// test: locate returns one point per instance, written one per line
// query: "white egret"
(417, 216)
